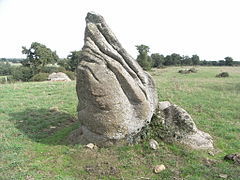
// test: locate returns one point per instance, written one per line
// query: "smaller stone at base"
(153, 144)
(159, 168)
(90, 146)
(224, 176)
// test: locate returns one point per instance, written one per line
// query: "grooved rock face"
(181, 127)
(116, 97)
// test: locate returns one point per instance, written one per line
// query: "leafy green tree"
(5, 69)
(195, 59)
(186, 60)
(176, 59)
(22, 73)
(70, 63)
(173, 60)
(228, 61)
(168, 60)
(158, 59)
(63, 63)
(38, 56)
(73, 60)
(221, 63)
(144, 60)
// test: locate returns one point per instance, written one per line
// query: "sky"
(208, 28)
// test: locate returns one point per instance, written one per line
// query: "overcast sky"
(208, 28)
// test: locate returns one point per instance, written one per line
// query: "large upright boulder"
(116, 97)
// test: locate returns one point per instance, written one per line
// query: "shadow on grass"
(48, 126)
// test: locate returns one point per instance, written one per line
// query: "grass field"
(36, 118)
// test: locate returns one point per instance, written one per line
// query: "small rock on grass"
(91, 146)
(159, 168)
(211, 153)
(224, 176)
(53, 109)
(153, 144)
(233, 157)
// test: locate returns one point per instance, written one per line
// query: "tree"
(144, 60)
(168, 60)
(173, 60)
(5, 69)
(228, 61)
(176, 59)
(38, 55)
(186, 60)
(195, 59)
(158, 59)
(221, 63)
(73, 60)
(64, 63)
(22, 73)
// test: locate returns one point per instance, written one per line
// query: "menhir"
(116, 97)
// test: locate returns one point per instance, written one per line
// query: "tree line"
(157, 60)
(12, 60)
(39, 57)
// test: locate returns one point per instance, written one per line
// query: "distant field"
(15, 64)
(36, 118)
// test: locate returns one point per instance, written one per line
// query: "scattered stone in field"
(157, 169)
(187, 71)
(223, 74)
(193, 70)
(184, 71)
(116, 97)
(211, 153)
(60, 76)
(224, 176)
(91, 146)
(53, 109)
(143, 178)
(153, 144)
(233, 157)
(179, 126)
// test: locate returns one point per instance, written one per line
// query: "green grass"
(36, 118)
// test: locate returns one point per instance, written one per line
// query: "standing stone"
(116, 97)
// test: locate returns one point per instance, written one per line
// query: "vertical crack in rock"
(116, 97)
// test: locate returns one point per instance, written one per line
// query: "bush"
(70, 74)
(50, 69)
(40, 77)
(21, 73)
(6, 79)
(5, 69)
(223, 74)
